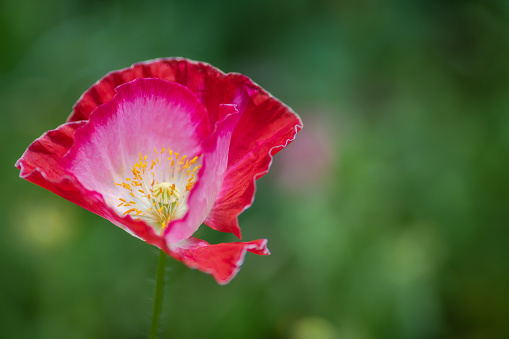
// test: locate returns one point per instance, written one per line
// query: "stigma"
(157, 191)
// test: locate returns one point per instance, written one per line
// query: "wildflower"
(162, 147)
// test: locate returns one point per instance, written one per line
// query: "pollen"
(158, 188)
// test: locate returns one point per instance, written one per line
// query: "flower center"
(157, 194)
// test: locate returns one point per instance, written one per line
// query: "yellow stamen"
(159, 193)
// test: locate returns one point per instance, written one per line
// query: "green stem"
(158, 298)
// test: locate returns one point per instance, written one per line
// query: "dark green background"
(388, 220)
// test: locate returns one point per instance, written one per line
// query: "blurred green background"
(387, 218)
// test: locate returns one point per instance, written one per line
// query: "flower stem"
(158, 297)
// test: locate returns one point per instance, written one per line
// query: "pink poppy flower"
(160, 148)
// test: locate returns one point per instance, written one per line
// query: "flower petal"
(40, 165)
(172, 69)
(156, 111)
(222, 261)
(215, 159)
(265, 127)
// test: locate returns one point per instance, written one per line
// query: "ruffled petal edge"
(265, 127)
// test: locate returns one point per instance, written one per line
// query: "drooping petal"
(222, 261)
(215, 159)
(157, 112)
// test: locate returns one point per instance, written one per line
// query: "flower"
(162, 147)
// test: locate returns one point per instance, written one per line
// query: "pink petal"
(222, 261)
(39, 165)
(266, 126)
(215, 159)
(156, 112)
